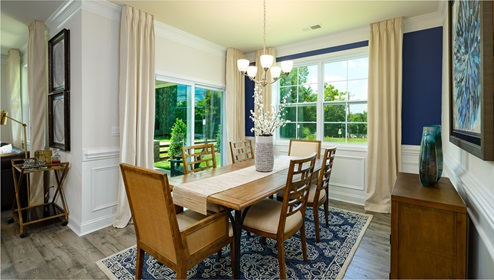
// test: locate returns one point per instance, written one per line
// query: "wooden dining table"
(240, 197)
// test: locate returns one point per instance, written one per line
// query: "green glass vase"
(431, 156)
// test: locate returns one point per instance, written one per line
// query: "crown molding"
(171, 33)
(61, 15)
(103, 8)
(422, 22)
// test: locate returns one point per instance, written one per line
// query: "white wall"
(473, 178)
(92, 184)
(5, 130)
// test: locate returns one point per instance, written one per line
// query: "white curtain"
(136, 97)
(235, 99)
(38, 99)
(384, 113)
(13, 75)
(267, 91)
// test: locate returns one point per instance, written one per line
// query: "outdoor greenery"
(177, 141)
(340, 123)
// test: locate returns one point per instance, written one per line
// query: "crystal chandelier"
(266, 63)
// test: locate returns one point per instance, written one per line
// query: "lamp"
(3, 121)
(266, 62)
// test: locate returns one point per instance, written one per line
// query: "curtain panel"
(384, 113)
(13, 75)
(235, 100)
(38, 100)
(136, 91)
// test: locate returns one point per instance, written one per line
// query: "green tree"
(177, 141)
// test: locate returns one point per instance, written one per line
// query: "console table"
(42, 212)
(428, 230)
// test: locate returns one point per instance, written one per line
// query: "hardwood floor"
(52, 251)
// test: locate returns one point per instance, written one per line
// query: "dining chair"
(319, 193)
(303, 148)
(241, 150)
(198, 157)
(280, 220)
(179, 241)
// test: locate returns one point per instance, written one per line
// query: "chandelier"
(266, 63)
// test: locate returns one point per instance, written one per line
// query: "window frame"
(320, 60)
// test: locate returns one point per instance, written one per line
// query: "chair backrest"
(153, 211)
(241, 150)
(297, 187)
(303, 148)
(198, 157)
(326, 168)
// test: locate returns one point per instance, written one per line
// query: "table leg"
(237, 237)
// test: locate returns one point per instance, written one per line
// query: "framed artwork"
(59, 91)
(59, 120)
(59, 61)
(471, 77)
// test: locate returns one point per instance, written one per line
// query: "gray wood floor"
(52, 251)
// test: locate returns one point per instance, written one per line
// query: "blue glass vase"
(431, 156)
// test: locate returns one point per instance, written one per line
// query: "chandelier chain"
(264, 45)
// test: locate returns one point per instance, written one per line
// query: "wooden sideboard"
(428, 230)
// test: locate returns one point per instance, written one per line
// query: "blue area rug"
(328, 259)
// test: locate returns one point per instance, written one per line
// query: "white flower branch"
(266, 122)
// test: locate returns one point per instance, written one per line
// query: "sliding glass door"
(186, 114)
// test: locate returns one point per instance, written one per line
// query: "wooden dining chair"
(303, 148)
(241, 150)
(179, 241)
(280, 220)
(198, 157)
(319, 193)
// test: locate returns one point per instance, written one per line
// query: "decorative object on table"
(42, 157)
(59, 91)
(265, 124)
(330, 258)
(471, 82)
(4, 115)
(55, 158)
(431, 156)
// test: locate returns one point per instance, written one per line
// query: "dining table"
(234, 187)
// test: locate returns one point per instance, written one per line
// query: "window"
(327, 100)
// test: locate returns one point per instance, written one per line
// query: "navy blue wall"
(422, 82)
(421, 88)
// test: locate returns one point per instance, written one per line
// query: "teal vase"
(431, 156)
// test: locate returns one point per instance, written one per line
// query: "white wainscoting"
(101, 178)
(478, 198)
(349, 176)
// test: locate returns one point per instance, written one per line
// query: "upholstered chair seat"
(265, 216)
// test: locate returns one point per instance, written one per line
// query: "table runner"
(193, 195)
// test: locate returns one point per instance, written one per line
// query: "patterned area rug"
(328, 259)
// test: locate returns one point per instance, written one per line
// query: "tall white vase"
(264, 153)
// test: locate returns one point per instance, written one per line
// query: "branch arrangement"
(266, 122)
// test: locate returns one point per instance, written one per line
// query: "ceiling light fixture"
(266, 63)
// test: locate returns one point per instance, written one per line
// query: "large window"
(327, 100)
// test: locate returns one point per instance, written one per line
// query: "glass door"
(186, 114)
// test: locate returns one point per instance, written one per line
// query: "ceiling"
(233, 23)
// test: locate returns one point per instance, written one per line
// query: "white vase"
(264, 153)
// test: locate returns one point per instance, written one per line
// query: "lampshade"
(286, 66)
(252, 71)
(275, 72)
(3, 117)
(242, 65)
(266, 61)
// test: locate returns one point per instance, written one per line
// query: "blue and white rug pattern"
(326, 260)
